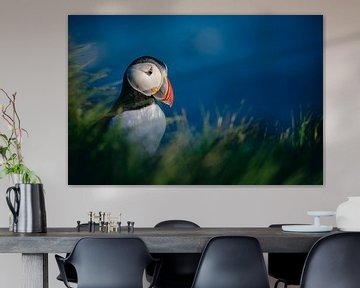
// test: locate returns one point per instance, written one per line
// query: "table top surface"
(158, 240)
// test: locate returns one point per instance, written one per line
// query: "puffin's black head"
(148, 76)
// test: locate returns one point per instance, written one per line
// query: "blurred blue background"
(263, 66)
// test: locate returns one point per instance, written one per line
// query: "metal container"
(28, 207)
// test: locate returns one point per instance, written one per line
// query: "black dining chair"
(333, 262)
(232, 262)
(178, 269)
(108, 263)
(285, 267)
(70, 271)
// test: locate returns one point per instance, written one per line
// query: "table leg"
(35, 270)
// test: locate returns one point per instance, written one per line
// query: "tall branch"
(15, 124)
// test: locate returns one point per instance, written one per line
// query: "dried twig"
(10, 153)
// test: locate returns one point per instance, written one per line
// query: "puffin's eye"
(150, 71)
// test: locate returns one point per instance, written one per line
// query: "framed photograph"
(195, 100)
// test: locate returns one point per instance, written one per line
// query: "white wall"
(33, 62)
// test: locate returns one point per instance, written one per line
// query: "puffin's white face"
(147, 79)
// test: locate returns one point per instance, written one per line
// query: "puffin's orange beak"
(169, 96)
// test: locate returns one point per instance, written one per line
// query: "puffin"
(145, 85)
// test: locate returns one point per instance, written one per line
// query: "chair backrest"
(110, 262)
(176, 224)
(232, 262)
(333, 262)
(178, 269)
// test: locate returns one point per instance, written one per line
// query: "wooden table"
(35, 247)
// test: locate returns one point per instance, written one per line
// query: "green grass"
(227, 151)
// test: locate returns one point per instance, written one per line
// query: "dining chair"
(333, 262)
(70, 271)
(178, 269)
(286, 267)
(108, 263)
(232, 262)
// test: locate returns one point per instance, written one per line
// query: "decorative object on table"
(28, 208)
(248, 100)
(348, 214)
(101, 222)
(316, 227)
(26, 203)
(131, 226)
